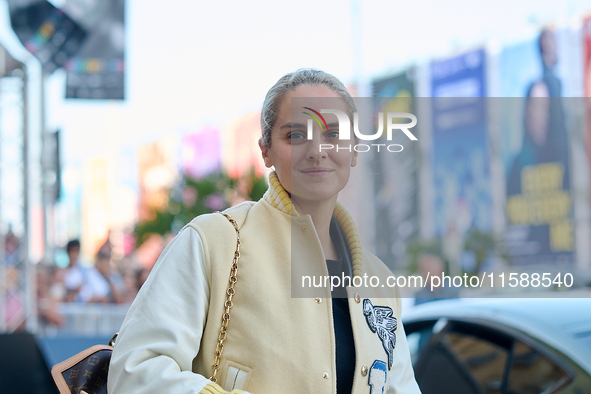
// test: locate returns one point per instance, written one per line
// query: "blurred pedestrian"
(84, 284)
(73, 277)
(117, 293)
(432, 266)
(47, 307)
(12, 249)
(106, 249)
(142, 275)
(130, 281)
(57, 287)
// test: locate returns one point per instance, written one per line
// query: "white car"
(503, 345)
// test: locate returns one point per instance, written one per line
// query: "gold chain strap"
(228, 304)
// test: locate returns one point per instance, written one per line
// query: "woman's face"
(305, 171)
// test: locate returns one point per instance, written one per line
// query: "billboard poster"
(97, 182)
(97, 69)
(460, 157)
(240, 146)
(535, 152)
(157, 174)
(396, 175)
(201, 153)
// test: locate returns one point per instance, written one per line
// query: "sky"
(191, 64)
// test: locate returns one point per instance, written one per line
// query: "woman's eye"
(332, 134)
(295, 136)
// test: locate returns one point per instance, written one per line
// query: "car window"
(532, 372)
(461, 361)
(484, 360)
(464, 357)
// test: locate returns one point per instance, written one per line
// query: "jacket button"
(304, 228)
(318, 300)
(325, 375)
(364, 370)
(357, 298)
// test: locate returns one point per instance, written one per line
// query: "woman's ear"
(354, 159)
(265, 153)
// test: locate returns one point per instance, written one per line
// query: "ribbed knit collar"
(279, 198)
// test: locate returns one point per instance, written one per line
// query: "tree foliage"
(194, 197)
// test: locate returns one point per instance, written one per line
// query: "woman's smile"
(317, 171)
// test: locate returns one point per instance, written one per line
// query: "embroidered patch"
(378, 376)
(381, 321)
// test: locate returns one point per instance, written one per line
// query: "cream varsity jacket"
(276, 343)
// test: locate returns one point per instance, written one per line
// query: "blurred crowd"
(107, 281)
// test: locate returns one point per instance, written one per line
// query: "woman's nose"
(315, 151)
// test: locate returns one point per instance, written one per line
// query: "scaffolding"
(17, 274)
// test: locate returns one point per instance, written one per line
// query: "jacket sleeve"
(162, 331)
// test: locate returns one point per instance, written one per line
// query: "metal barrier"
(88, 320)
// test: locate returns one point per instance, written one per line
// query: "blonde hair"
(287, 83)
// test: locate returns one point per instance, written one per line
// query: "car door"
(452, 356)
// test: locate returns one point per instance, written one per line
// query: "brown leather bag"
(86, 372)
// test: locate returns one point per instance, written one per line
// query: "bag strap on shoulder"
(228, 304)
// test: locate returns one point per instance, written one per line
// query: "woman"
(544, 139)
(274, 343)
